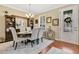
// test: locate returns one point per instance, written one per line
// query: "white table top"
(24, 32)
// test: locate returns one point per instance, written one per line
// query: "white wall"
(71, 37)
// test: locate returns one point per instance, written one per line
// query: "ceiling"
(34, 8)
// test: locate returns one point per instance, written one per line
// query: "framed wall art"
(55, 22)
(36, 21)
(48, 19)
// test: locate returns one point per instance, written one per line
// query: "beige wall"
(2, 18)
(54, 14)
(2, 27)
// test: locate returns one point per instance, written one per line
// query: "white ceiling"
(35, 8)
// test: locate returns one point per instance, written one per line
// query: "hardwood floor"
(63, 46)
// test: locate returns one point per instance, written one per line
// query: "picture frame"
(36, 21)
(55, 22)
(48, 19)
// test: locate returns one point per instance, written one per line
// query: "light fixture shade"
(29, 15)
(32, 15)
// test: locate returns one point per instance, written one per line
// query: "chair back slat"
(13, 33)
(35, 33)
(40, 35)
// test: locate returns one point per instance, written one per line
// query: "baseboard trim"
(66, 42)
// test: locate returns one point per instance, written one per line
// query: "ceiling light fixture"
(29, 14)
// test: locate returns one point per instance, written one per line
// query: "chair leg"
(21, 41)
(25, 42)
(41, 39)
(32, 43)
(15, 45)
(37, 41)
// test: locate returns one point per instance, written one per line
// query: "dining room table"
(24, 33)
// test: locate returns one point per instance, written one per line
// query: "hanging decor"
(29, 13)
(30, 17)
(67, 20)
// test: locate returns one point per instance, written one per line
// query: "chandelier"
(29, 14)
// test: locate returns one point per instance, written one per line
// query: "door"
(71, 33)
(42, 22)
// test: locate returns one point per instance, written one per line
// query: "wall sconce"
(6, 12)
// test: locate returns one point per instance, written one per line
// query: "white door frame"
(75, 26)
(39, 21)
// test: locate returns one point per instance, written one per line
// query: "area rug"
(54, 50)
(26, 49)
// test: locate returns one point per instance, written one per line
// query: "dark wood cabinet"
(9, 22)
(30, 22)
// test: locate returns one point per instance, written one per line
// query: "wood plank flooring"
(61, 45)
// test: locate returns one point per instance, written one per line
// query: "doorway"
(42, 22)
